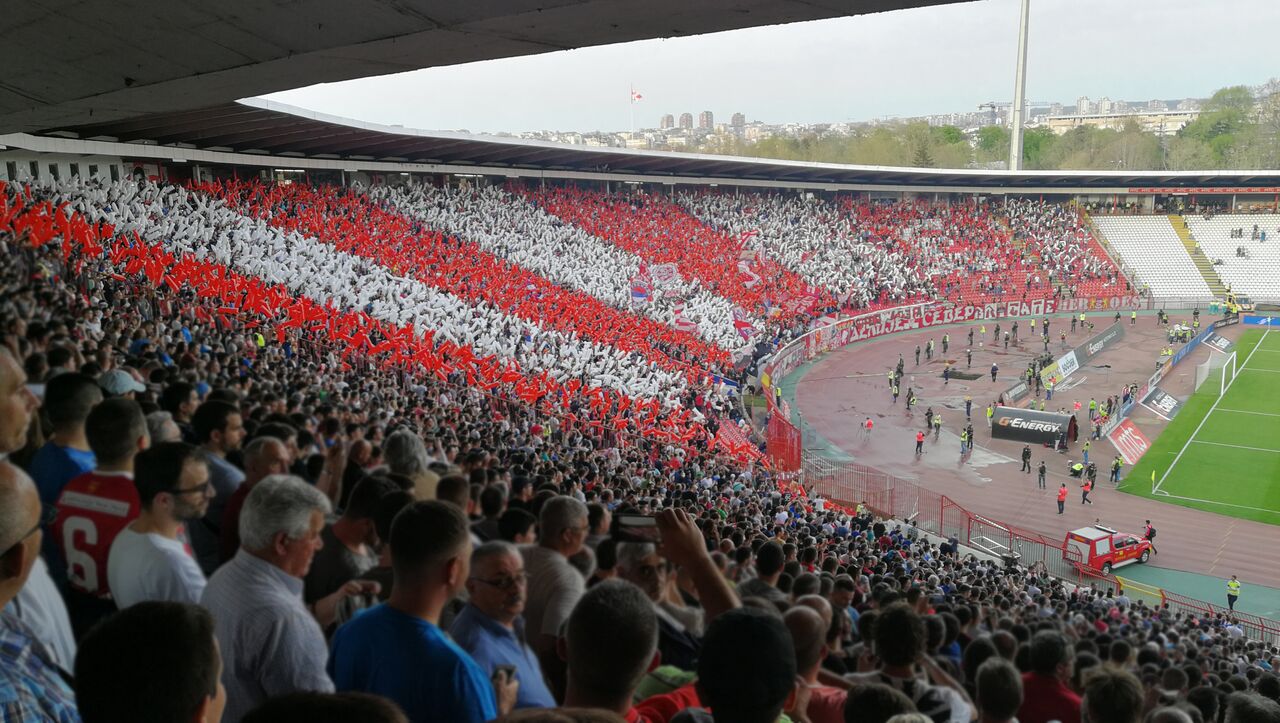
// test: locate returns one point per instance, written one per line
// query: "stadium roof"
(264, 127)
(69, 62)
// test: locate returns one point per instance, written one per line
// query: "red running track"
(848, 385)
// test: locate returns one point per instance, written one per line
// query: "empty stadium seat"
(1256, 275)
(1151, 248)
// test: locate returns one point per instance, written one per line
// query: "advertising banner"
(1025, 425)
(1016, 393)
(1069, 363)
(1095, 346)
(1164, 404)
(1251, 320)
(1103, 303)
(1129, 441)
(1218, 343)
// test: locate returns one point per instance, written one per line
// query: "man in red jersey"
(1046, 696)
(95, 506)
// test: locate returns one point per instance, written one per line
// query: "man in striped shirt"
(899, 637)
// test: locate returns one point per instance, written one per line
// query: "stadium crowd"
(209, 514)
(870, 253)
(511, 227)
(1057, 235)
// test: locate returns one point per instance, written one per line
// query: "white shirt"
(39, 605)
(554, 588)
(151, 566)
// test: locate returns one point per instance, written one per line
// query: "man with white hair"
(270, 641)
(162, 428)
(406, 454)
(554, 584)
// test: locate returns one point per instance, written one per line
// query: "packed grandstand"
(405, 451)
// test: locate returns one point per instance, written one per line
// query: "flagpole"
(631, 103)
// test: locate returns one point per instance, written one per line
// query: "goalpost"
(1215, 375)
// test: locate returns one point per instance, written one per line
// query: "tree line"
(1237, 128)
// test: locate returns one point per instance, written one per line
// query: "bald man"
(263, 456)
(809, 635)
(37, 690)
(38, 604)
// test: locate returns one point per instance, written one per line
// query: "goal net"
(1215, 375)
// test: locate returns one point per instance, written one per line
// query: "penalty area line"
(1209, 413)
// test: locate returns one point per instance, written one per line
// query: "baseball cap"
(118, 381)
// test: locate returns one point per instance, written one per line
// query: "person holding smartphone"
(491, 626)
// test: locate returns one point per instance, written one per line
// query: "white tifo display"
(1218, 371)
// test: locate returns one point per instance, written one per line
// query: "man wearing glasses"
(36, 687)
(38, 605)
(151, 559)
(491, 628)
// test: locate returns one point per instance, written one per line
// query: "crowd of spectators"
(1068, 252)
(202, 519)
(511, 227)
(869, 253)
(662, 232)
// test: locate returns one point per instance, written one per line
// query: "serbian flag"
(640, 292)
(641, 286)
(742, 324)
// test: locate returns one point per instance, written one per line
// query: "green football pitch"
(1222, 452)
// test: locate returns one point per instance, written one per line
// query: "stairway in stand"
(1202, 262)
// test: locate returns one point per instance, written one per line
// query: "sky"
(904, 63)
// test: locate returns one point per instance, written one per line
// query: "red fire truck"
(1102, 548)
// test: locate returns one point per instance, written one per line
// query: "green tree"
(922, 158)
(993, 143)
(1036, 146)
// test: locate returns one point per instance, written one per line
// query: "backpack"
(1151, 534)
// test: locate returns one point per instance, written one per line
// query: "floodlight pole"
(1019, 91)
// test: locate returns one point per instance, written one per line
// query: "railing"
(1254, 627)
(890, 496)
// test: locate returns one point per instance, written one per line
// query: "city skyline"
(904, 63)
(1040, 113)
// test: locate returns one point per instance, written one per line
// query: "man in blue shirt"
(396, 649)
(68, 399)
(490, 627)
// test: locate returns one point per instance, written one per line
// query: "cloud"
(911, 62)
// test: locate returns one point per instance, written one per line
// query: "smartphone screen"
(636, 528)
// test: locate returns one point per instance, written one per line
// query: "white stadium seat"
(1151, 248)
(1258, 274)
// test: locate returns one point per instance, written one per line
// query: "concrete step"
(1203, 264)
